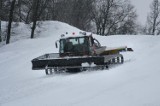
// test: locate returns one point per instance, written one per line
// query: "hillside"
(135, 83)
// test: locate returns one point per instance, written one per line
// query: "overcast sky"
(142, 8)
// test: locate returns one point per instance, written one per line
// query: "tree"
(35, 14)
(153, 19)
(101, 14)
(129, 24)
(50, 12)
(5, 9)
(18, 11)
(0, 20)
(10, 21)
(111, 16)
(82, 13)
(0, 32)
(38, 8)
(74, 12)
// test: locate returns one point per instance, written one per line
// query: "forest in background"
(103, 17)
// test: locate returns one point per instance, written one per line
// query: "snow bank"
(44, 29)
(135, 83)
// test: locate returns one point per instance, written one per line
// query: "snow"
(135, 83)
(88, 65)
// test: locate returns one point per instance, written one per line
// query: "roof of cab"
(74, 35)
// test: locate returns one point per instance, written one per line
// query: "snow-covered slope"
(135, 83)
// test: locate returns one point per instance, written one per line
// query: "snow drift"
(135, 83)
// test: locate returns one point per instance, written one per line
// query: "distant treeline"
(104, 17)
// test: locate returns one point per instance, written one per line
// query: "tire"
(48, 71)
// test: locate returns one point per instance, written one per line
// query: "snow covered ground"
(135, 83)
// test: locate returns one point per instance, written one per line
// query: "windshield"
(73, 44)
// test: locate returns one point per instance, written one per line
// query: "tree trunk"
(103, 28)
(0, 32)
(19, 11)
(27, 18)
(33, 29)
(0, 20)
(35, 17)
(10, 21)
(154, 27)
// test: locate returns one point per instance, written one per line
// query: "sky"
(142, 8)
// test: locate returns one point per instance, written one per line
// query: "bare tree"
(102, 13)
(4, 11)
(28, 10)
(111, 15)
(19, 11)
(35, 14)
(38, 8)
(81, 13)
(0, 32)
(10, 21)
(129, 23)
(74, 12)
(0, 20)
(153, 19)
